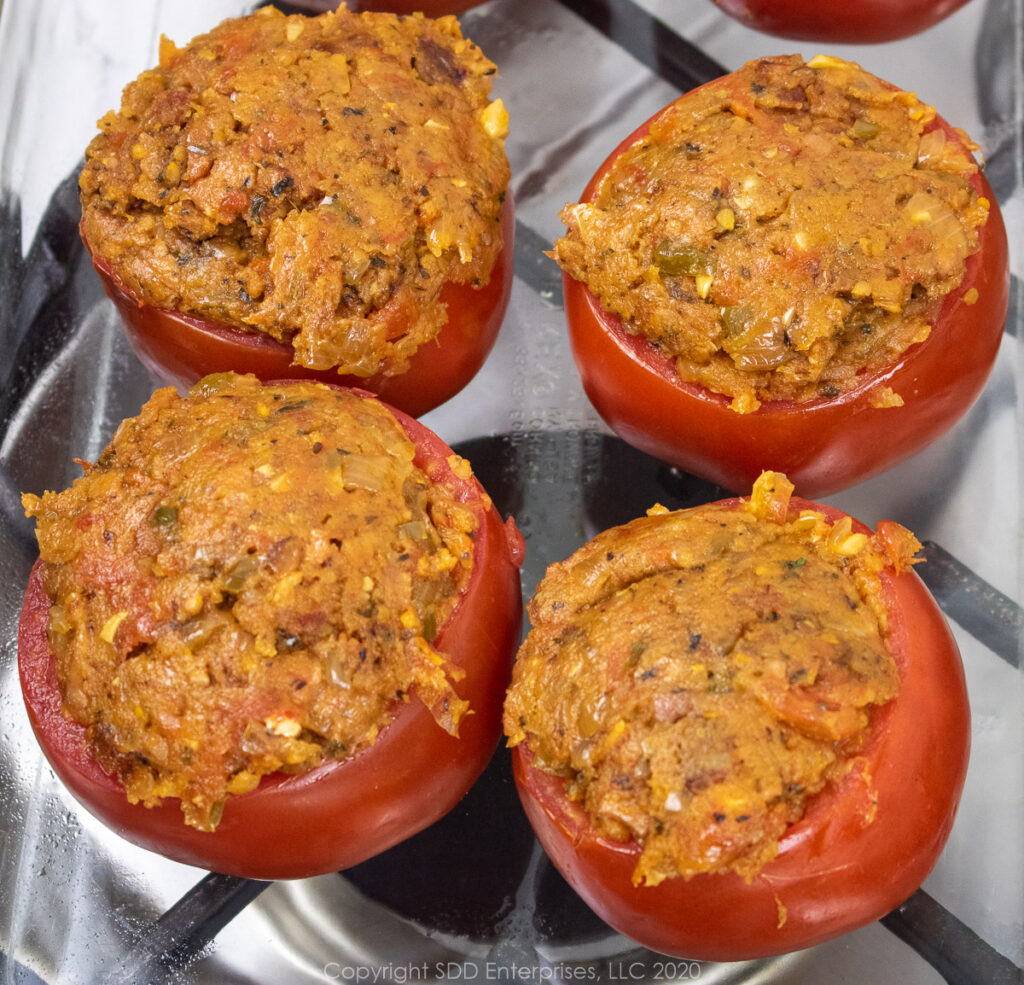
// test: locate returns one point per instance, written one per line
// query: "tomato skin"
(823, 445)
(849, 22)
(432, 8)
(341, 812)
(837, 869)
(180, 349)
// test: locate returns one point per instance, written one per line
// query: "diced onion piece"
(931, 148)
(494, 118)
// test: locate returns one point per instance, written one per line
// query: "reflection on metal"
(471, 899)
(986, 613)
(954, 950)
(186, 930)
(649, 40)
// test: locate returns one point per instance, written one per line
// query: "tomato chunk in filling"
(696, 676)
(781, 230)
(249, 580)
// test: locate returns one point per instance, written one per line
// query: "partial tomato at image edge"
(180, 348)
(341, 812)
(864, 845)
(823, 445)
(852, 22)
(432, 8)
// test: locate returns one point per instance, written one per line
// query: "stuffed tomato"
(321, 197)
(270, 629)
(725, 720)
(797, 267)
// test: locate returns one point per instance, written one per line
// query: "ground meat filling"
(248, 580)
(781, 230)
(317, 179)
(697, 676)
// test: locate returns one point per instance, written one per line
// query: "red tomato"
(432, 8)
(857, 853)
(342, 812)
(822, 445)
(181, 349)
(849, 22)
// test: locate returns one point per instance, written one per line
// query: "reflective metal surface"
(473, 899)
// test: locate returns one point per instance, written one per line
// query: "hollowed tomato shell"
(849, 22)
(181, 348)
(341, 812)
(863, 846)
(823, 445)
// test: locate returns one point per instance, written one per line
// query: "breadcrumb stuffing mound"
(247, 581)
(781, 230)
(318, 179)
(696, 676)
